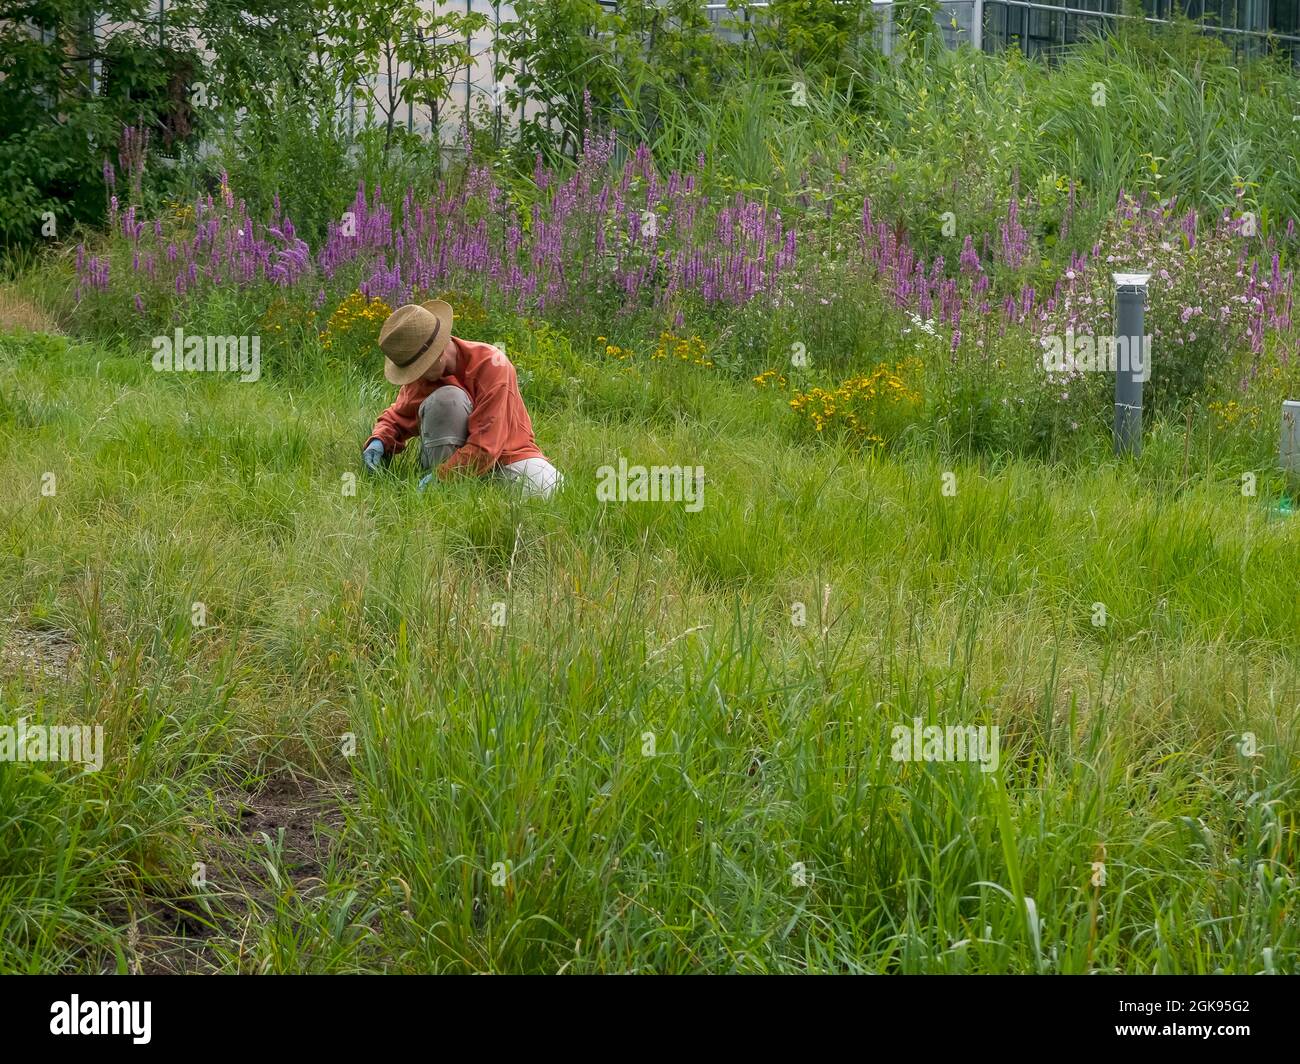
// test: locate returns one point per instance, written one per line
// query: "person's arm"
(399, 422)
(489, 424)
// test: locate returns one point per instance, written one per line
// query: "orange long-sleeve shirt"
(500, 431)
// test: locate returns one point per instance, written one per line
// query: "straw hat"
(412, 339)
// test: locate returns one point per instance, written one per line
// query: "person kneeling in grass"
(462, 399)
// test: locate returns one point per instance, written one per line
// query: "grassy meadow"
(353, 727)
(664, 769)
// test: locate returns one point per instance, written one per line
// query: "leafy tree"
(263, 50)
(72, 75)
(671, 54)
(371, 41)
(812, 35)
(564, 56)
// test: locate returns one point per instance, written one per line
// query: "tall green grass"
(499, 810)
(1160, 110)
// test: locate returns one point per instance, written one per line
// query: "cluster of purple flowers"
(226, 246)
(926, 288)
(623, 237)
(1215, 272)
(625, 234)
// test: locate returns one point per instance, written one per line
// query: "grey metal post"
(1132, 367)
(1289, 447)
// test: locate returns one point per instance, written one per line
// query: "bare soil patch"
(34, 654)
(292, 824)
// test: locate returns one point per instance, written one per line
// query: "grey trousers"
(444, 428)
(444, 424)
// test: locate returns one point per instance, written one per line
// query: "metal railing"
(1033, 5)
(978, 6)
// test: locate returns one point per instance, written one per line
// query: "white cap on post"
(1131, 280)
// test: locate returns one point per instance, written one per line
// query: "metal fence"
(1046, 28)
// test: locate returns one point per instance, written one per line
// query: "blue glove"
(425, 481)
(373, 455)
